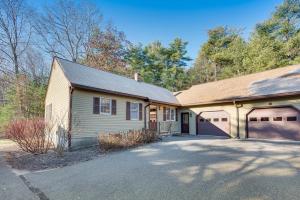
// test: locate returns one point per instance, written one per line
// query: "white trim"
(170, 120)
(138, 111)
(105, 113)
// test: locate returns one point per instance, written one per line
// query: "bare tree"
(66, 26)
(107, 50)
(35, 66)
(15, 34)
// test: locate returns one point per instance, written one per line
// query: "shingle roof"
(90, 78)
(272, 82)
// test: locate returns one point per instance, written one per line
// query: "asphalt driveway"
(181, 168)
(11, 186)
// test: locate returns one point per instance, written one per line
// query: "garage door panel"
(214, 123)
(274, 123)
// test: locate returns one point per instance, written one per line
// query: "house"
(83, 102)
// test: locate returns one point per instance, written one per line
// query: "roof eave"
(83, 87)
(243, 99)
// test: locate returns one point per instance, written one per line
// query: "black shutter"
(96, 104)
(176, 114)
(140, 111)
(113, 107)
(127, 110)
(164, 114)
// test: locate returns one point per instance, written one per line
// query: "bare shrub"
(30, 135)
(132, 138)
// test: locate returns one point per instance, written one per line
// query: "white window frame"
(174, 116)
(169, 114)
(100, 103)
(138, 111)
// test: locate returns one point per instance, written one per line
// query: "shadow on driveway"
(182, 168)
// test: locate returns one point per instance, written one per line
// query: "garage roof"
(276, 82)
(85, 77)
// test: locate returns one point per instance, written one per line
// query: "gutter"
(237, 106)
(87, 88)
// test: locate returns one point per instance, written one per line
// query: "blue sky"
(145, 21)
(148, 20)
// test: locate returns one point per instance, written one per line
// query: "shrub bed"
(30, 135)
(132, 138)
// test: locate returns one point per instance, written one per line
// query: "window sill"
(101, 113)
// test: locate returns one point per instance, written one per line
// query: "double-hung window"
(134, 111)
(170, 114)
(105, 106)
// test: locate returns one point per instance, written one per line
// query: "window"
(134, 111)
(170, 114)
(208, 119)
(216, 119)
(264, 119)
(224, 119)
(105, 105)
(253, 119)
(276, 119)
(201, 120)
(291, 118)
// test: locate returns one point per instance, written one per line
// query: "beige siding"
(231, 109)
(58, 96)
(87, 124)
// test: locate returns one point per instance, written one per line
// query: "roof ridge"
(247, 75)
(123, 76)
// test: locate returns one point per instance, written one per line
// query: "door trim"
(264, 107)
(187, 113)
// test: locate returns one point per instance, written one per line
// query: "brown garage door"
(274, 123)
(213, 123)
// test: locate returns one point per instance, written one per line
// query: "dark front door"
(153, 118)
(185, 126)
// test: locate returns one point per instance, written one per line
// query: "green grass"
(5, 116)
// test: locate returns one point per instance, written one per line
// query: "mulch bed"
(26, 161)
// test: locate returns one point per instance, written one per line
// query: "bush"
(30, 135)
(112, 141)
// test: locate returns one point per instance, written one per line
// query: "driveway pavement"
(181, 168)
(11, 186)
(178, 168)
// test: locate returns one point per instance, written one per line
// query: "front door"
(185, 127)
(153, 118)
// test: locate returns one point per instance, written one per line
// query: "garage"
(274, 123)
(215, 123)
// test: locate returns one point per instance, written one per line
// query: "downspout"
(145, 115)
(71, 89)
(237, 106)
